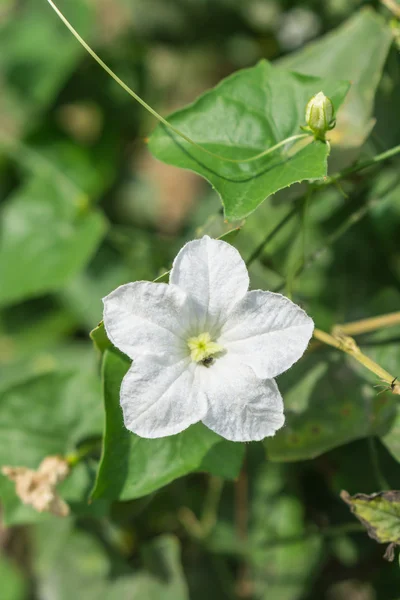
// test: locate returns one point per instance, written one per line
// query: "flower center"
(202, 348)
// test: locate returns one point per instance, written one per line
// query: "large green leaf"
(75, 564)
(224, 459)
(385, 216)
(283, 570)
(355, 51)
(327, 404)
(281, 554)
(250, 111)
(13, 586)
(25, 336)
(132, 466)
(280, 569)
(46, 238)
(47, 415)
(32, 69)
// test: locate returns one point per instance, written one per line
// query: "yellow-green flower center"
(202, 347)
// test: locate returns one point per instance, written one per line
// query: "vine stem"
(348, 345)
(331, 239)
(360, 166)
(258, 250)
(354, 217)
(325, 532)
(368, 325)
(393, 7)
(379, 476)
(209, 516)
(155, 113)
(243, 584)
(201, 528)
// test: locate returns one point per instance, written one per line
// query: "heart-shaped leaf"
(247, 113)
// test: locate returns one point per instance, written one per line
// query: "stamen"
(202, 347)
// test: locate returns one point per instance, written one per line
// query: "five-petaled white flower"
(204, 348)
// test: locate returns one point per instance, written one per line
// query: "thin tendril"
(154, 113)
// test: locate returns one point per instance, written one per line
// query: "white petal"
(242, 407)
(214, 275)
(268, 332)
(147, 318)
(159, 400)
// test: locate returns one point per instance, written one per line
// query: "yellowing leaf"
(380, 514)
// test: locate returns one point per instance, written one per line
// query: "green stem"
(329, 532)
(354, 218)
(304, 219)
(211, 504)
(331, 239)
(326, 532)
(346, 344)
(155, 113)
(379, 476)
(360, 166)
(256, 253)
(294, 268)
(201, 529)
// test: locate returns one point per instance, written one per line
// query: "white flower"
(204, 348)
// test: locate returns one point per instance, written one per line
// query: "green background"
(94, 194)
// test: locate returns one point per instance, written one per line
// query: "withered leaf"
(380, 515)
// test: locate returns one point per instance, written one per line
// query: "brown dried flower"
(38, 488)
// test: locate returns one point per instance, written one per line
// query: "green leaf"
(250, 111)
(355, 51)
(33, 71)
(83, 294)
(385, 216)
(12, 583)
(132, 466)
(281, 554)
(99, 338)
(58, 236)
(224, 459)
(229, 236)
(282, 570)
(327, 404)
(26, 336)
(46, 415)
(75, 564)
(380, 514)
(164, 577)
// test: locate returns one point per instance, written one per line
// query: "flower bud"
(320, 115)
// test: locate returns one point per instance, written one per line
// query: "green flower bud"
(320, 115)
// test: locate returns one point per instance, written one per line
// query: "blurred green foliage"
(84, 207)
